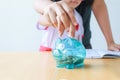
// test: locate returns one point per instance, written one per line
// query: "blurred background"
(18, 21)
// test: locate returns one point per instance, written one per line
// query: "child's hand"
(45, 21)
(70, 29)
(114, 47)
(64, 12)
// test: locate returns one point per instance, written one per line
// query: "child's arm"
(40, 5)
(44, 20)
(54, 9)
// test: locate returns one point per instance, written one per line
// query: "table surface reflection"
(41, 66)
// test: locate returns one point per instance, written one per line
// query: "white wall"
(18, 26)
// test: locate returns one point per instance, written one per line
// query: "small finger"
(52, 16)
(61, 28)
(113, 49)
(72, 31)
(118, 46)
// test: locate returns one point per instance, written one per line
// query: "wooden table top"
(41, 66)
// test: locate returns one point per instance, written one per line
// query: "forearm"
(101, 14)
(39, 5)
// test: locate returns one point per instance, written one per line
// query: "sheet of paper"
(90, 53)
(96, 53)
